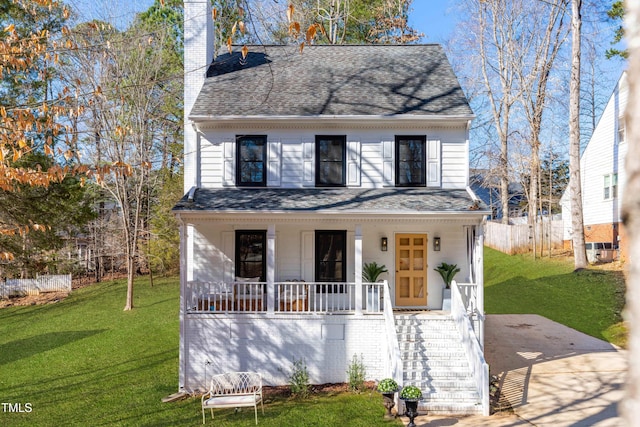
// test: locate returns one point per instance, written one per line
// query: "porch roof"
(331, 200)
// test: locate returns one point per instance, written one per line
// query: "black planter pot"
(389, 402)
(412, 410)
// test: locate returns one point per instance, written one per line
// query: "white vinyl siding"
(370, 157)
(603, 156)
(455, 164)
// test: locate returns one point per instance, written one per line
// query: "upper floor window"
(330, 161)
(621, 129)
(251, 254)
(251, 160)
(410, 161)
(611, 186)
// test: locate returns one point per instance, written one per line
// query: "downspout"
(358, 269)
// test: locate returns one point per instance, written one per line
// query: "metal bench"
(233, 390)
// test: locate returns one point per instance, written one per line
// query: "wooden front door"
(411, 270)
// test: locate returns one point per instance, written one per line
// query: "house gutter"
(342, 215)
(198, 118)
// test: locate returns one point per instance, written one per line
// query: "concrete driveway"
(550, 374)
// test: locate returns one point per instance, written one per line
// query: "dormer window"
(330, 161)
(251, 161)
(410, 161)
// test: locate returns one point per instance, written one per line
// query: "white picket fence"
(41, 284)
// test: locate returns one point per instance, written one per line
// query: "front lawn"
(590, 301)
(85, 362)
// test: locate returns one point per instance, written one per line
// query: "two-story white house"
(602, 178)
(300, 169)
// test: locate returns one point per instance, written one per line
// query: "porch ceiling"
(331, 200)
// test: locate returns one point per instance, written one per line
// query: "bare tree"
(631, 215)
(575, 190)
(540, 52)
(495, 24)
(127, 119)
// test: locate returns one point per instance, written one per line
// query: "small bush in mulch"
(497, 402)
(328, 389)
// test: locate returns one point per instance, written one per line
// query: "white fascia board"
(347, 118)
(352, 215)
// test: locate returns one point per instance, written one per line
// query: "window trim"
(343, 140)
(336, 289)
(423, 141)
(621, 136)
(263, 234)
(610, 192)
(239, 140)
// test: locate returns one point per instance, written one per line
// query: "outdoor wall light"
(384, 244)
(436, 244)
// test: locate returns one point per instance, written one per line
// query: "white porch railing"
(290, 297)
(471, 345)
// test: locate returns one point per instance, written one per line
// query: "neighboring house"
(488, 190)
(301, 168)
(603, 176)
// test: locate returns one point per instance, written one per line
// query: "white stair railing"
(472, 346)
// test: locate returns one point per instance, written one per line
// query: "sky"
(433, 18)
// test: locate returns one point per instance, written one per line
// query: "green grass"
(86, 362)
(590, 301)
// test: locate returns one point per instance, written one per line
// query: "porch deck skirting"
(269, 344)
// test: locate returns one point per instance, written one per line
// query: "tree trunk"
(631, 216)
(577, 221)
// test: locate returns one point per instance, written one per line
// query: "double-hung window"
(621, 129)
(251, 161)
(251, 248)
(411, 161)
(611, 186)
(331, 262)
(330, 161)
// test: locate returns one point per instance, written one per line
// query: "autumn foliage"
(30, 124)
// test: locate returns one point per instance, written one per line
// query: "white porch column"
(271, 267)
(183, 289)
(358, 269)
(480, 281)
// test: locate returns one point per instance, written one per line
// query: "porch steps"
(434, 360)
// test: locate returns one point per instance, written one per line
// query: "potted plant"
(388, 388)
(411, 396)
(371, 271)
(447, 272)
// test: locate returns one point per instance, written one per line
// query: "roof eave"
(196, 118)
(358, 213)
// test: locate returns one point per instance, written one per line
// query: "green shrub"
(299, 379)
(357, 373)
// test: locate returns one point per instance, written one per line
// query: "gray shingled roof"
(378, 80)
(319, 200)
